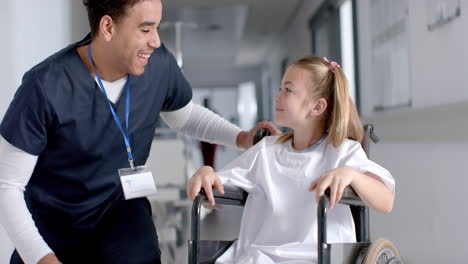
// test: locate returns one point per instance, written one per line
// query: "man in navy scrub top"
(81, 121)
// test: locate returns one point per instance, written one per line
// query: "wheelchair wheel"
(382, 251)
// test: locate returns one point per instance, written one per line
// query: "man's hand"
(205, 177)
(49, 259)
(245, 139)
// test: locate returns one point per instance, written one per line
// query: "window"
(332, 28)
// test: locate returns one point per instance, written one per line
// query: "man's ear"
(106, 26)
(319, 107)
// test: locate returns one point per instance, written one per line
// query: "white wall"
(425, 146)
(428, 222)
(6, 72)
(33, 30)
(8, 63)
(438, 59)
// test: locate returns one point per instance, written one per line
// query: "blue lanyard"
(116, 118)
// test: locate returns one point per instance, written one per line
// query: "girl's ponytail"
(339, 108)
(344, 121)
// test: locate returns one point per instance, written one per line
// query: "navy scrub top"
(60, 114)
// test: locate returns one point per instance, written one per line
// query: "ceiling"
(224, 33)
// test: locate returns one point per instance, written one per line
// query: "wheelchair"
(364, 251)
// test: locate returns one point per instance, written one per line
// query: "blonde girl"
(284, 173)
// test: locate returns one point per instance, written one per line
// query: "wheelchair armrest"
(236, 196)
(232, 195)
(359, 210)
(350, 197)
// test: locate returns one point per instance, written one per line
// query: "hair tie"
(333, 64)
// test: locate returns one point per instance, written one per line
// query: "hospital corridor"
(234, 131)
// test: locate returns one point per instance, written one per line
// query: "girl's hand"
(205, 177)
(337, 180)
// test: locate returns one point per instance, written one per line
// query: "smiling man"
(79, 131)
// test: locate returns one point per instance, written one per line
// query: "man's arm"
(16, 167)
(203, 124)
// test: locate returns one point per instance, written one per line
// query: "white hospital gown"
(279, 222)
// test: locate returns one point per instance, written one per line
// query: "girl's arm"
(373, 191)
(205, 177)
(237, 173)
(368, 186)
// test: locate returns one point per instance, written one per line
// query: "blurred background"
(406, 60)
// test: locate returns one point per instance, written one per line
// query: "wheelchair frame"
(327, 253)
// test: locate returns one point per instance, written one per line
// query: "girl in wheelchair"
(283, 174)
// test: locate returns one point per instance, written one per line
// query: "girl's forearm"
(373, 191)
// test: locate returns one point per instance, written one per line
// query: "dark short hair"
(99, 8)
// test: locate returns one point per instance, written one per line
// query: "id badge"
(137, 183)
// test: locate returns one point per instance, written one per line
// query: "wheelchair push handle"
(261, 133)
